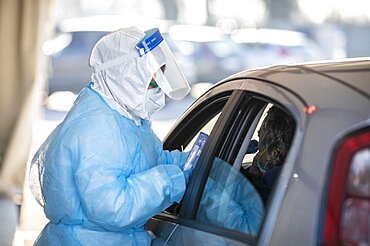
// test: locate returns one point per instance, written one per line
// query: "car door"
(201, 116)
(230, 114)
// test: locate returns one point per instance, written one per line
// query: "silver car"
(321, 192)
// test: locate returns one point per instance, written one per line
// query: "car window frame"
(264, 90)
(200, 174)
(193, 195)
(234, 104)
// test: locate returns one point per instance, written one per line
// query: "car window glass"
(203, 120)
(274, 134)
(229, 200)
(235, 194)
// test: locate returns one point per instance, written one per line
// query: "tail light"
(347, 217)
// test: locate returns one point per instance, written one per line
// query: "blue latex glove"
(253, 147)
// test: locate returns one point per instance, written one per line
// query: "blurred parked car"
(322, 195)
(69, 50)
(68, 68)
(262, 47)
(203, 53)
(213, 54)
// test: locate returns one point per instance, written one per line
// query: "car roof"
(346, 71)
(325, 83)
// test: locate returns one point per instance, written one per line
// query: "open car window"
(242, 177)
(229, 200)
(225, 194)
(203, 120)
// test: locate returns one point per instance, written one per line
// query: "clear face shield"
(161, 62)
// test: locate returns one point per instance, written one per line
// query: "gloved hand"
(253, 147)
(187, 175)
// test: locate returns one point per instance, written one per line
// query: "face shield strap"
(114, 62)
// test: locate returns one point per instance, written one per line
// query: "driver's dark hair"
(278, 130)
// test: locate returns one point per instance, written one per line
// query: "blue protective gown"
(102, 177)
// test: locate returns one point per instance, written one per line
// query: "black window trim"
(197, 183)
(247, 109)
(235, 105)
(174, 141)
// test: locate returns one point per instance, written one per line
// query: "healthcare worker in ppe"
(102, 173)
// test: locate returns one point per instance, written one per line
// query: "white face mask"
(155, 100)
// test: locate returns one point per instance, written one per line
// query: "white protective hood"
(120, 75)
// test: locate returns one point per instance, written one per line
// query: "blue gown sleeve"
(112, 194)
(174, 157)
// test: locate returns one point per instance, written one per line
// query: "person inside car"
(275, 136)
